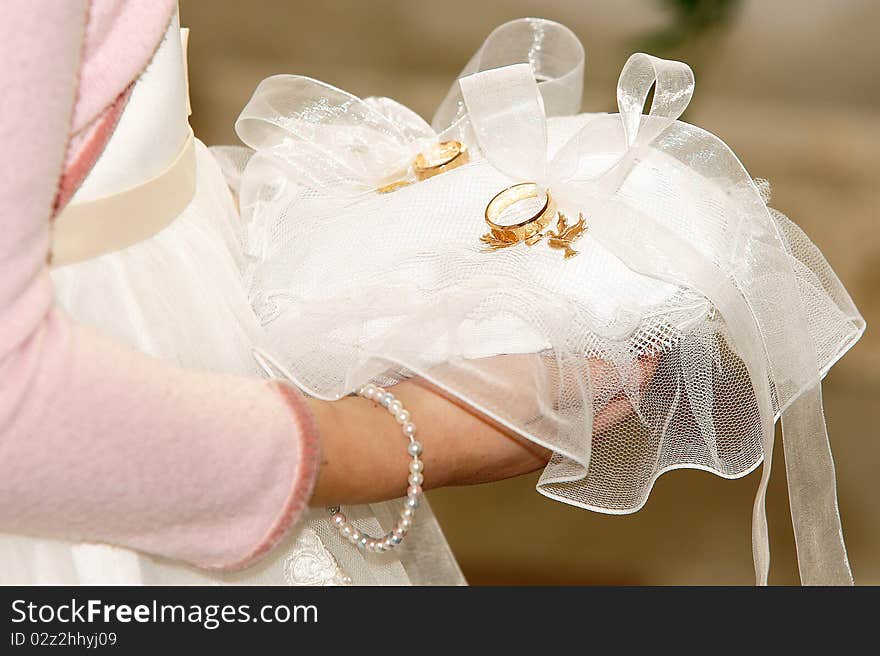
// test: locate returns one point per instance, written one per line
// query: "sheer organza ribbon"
(331, 138)
(739, 262)
(331, 143)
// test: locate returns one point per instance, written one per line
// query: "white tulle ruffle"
(692, 318)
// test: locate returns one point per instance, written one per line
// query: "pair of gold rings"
(532, 230)
(443, 156)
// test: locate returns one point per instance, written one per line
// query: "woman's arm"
(364, 457)
(97, 441)
(101, 443)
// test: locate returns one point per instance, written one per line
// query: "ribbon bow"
(720, 240)
(508, 116)
(329, 138)
(722, 243)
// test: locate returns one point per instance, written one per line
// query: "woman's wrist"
(362, 460)
(390, 540)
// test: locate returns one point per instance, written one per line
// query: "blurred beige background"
(790, 85)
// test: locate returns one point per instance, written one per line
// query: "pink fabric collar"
(120, 39)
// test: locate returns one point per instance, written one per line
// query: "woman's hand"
(364, 456)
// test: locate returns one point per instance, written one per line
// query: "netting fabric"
(691, 318)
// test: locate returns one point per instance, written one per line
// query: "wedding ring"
(441, 157)
(529, 230)
(393, 186)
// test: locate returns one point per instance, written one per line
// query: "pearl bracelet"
(413, 493)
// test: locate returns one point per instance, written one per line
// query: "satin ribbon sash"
(92, 228)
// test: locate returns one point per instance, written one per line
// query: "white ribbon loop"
(328, 136)
(324, 136)
(555, 55)
(673, 83)
(298, 107)
(507, 115)
(773, 341)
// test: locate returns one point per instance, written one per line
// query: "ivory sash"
(86, 230)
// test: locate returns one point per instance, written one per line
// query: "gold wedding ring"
(441, 157)
(528, 231)
(394, 186)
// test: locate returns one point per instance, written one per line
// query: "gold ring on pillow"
(529, 231)
(441, 157)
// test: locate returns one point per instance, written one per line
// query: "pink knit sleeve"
(97, 441)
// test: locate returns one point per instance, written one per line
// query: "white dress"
(178, 296)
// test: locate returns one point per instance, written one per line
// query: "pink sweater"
(99, 442)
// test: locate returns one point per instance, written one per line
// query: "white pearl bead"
(414, 491)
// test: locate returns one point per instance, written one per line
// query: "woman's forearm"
(364, 452)
(101, 443)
